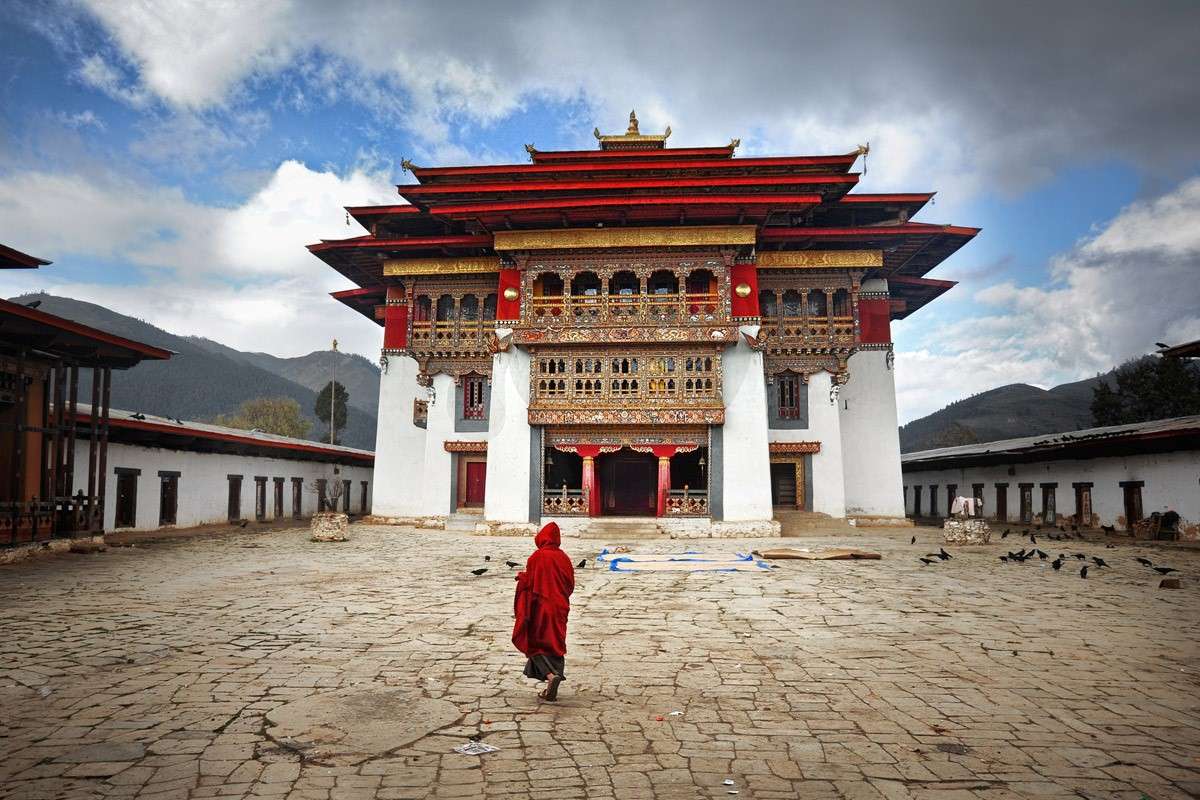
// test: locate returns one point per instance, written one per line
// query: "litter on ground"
(690, 561)
(832, 554)
(475, 748)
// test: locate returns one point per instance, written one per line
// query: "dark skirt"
(539, 667)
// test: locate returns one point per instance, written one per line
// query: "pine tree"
(321, 408)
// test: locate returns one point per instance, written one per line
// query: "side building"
(640, 331)
(166, 473)
(1128, 477)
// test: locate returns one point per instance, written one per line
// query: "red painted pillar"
(589, 486)
(664, 484)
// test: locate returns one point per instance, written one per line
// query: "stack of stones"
(329, 526)
(966, 530)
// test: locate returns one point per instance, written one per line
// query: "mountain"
(205, 378)
(359, 376)
(1006, 412)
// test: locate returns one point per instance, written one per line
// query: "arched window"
(624, 284)
(766, 303)
(422, 308)
(445, 307)
(469, 308)
(841, 303)
(663, 282)
(791, 303)
(817, 303)
(585, 284)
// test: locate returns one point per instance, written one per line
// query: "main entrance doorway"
(628, 484)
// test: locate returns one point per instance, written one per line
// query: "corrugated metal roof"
(1049, 441)
(206, 429)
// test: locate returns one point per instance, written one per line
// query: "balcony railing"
(564, 502)
(687, 503)
(612, 309)
(450, 333)
(671, 379)
(791, 327)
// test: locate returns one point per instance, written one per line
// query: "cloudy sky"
(173, 158)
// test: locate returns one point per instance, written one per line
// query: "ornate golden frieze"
(787, 448)
(449, 265)
(778, 259)
(626, 416)
(465, 447)
(666, 236)
(631, 335)
(626, 436)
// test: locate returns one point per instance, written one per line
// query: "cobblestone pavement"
(148, 672)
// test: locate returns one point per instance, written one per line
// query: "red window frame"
(473, 391)
(787, 388)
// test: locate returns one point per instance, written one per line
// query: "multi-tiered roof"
(796, 202)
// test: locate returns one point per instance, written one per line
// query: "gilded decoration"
(451, 322)
(810, 320)
(632, 139)
(450, 265)
(465, 447)
(664, 236)
(560, 438)
(792, 448)
(626, 297)
(774, 259)
(662, 386)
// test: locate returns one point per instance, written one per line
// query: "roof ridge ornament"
(407, 165)
(633, 138)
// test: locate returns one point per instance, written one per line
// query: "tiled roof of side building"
(1184, 429)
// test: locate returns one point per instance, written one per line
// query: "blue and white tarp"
(689, 561)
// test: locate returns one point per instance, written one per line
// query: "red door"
(476, 478)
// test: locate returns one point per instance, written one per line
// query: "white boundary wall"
(744, 439)
(203, 496)
(1172, 482)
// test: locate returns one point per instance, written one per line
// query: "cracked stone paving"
(266, 665)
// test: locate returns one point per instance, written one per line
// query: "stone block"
(966, 530)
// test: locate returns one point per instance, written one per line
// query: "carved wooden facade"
(809, 321)
(450, 320)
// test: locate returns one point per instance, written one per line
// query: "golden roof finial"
(632, 130)
(632, 139)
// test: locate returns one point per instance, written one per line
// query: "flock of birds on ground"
(513, 565)
(1034, 552)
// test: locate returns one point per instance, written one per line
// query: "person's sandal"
(550, 693)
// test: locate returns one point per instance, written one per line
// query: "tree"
(278, 415)
(321, 409)
(1147, 388)
(953, 435)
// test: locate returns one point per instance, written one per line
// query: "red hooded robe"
(543, 596)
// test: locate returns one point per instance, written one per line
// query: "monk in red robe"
(541, 607)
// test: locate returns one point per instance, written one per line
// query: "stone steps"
(623, 530)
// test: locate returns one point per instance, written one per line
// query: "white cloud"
(1132, 283)
(96, 72)
(951, 97)
(80, 119)
(239, 275)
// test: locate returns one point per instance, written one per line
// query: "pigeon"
(1160, 344)
(913, 540)
(943, 555)
(138, 415)
(487, 558)
(33, 304)
(1145, 561)
(1032, 539)
(1081, 556)
(1004, 559)
(1083, 572)
(582, 563)
(1005, 534)
(1041, 555)
(242, 524)
(1108, 528)
(1165, 570)
(1057, 564)
(178, 421)
(479, 571)
(1099, 561)
(926, 561)
(511, 564)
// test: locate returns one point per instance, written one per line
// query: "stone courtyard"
(266, 665)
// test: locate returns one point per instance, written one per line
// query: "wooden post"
(56, 480)
(92, 452)
(101, 477)
(590, 495)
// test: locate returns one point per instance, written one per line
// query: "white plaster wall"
(870, 437)
(506, 494)
(1172, 482)
(824, 426)
(204, 483)
(435, 481)
(399, 444)
(746, 494)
